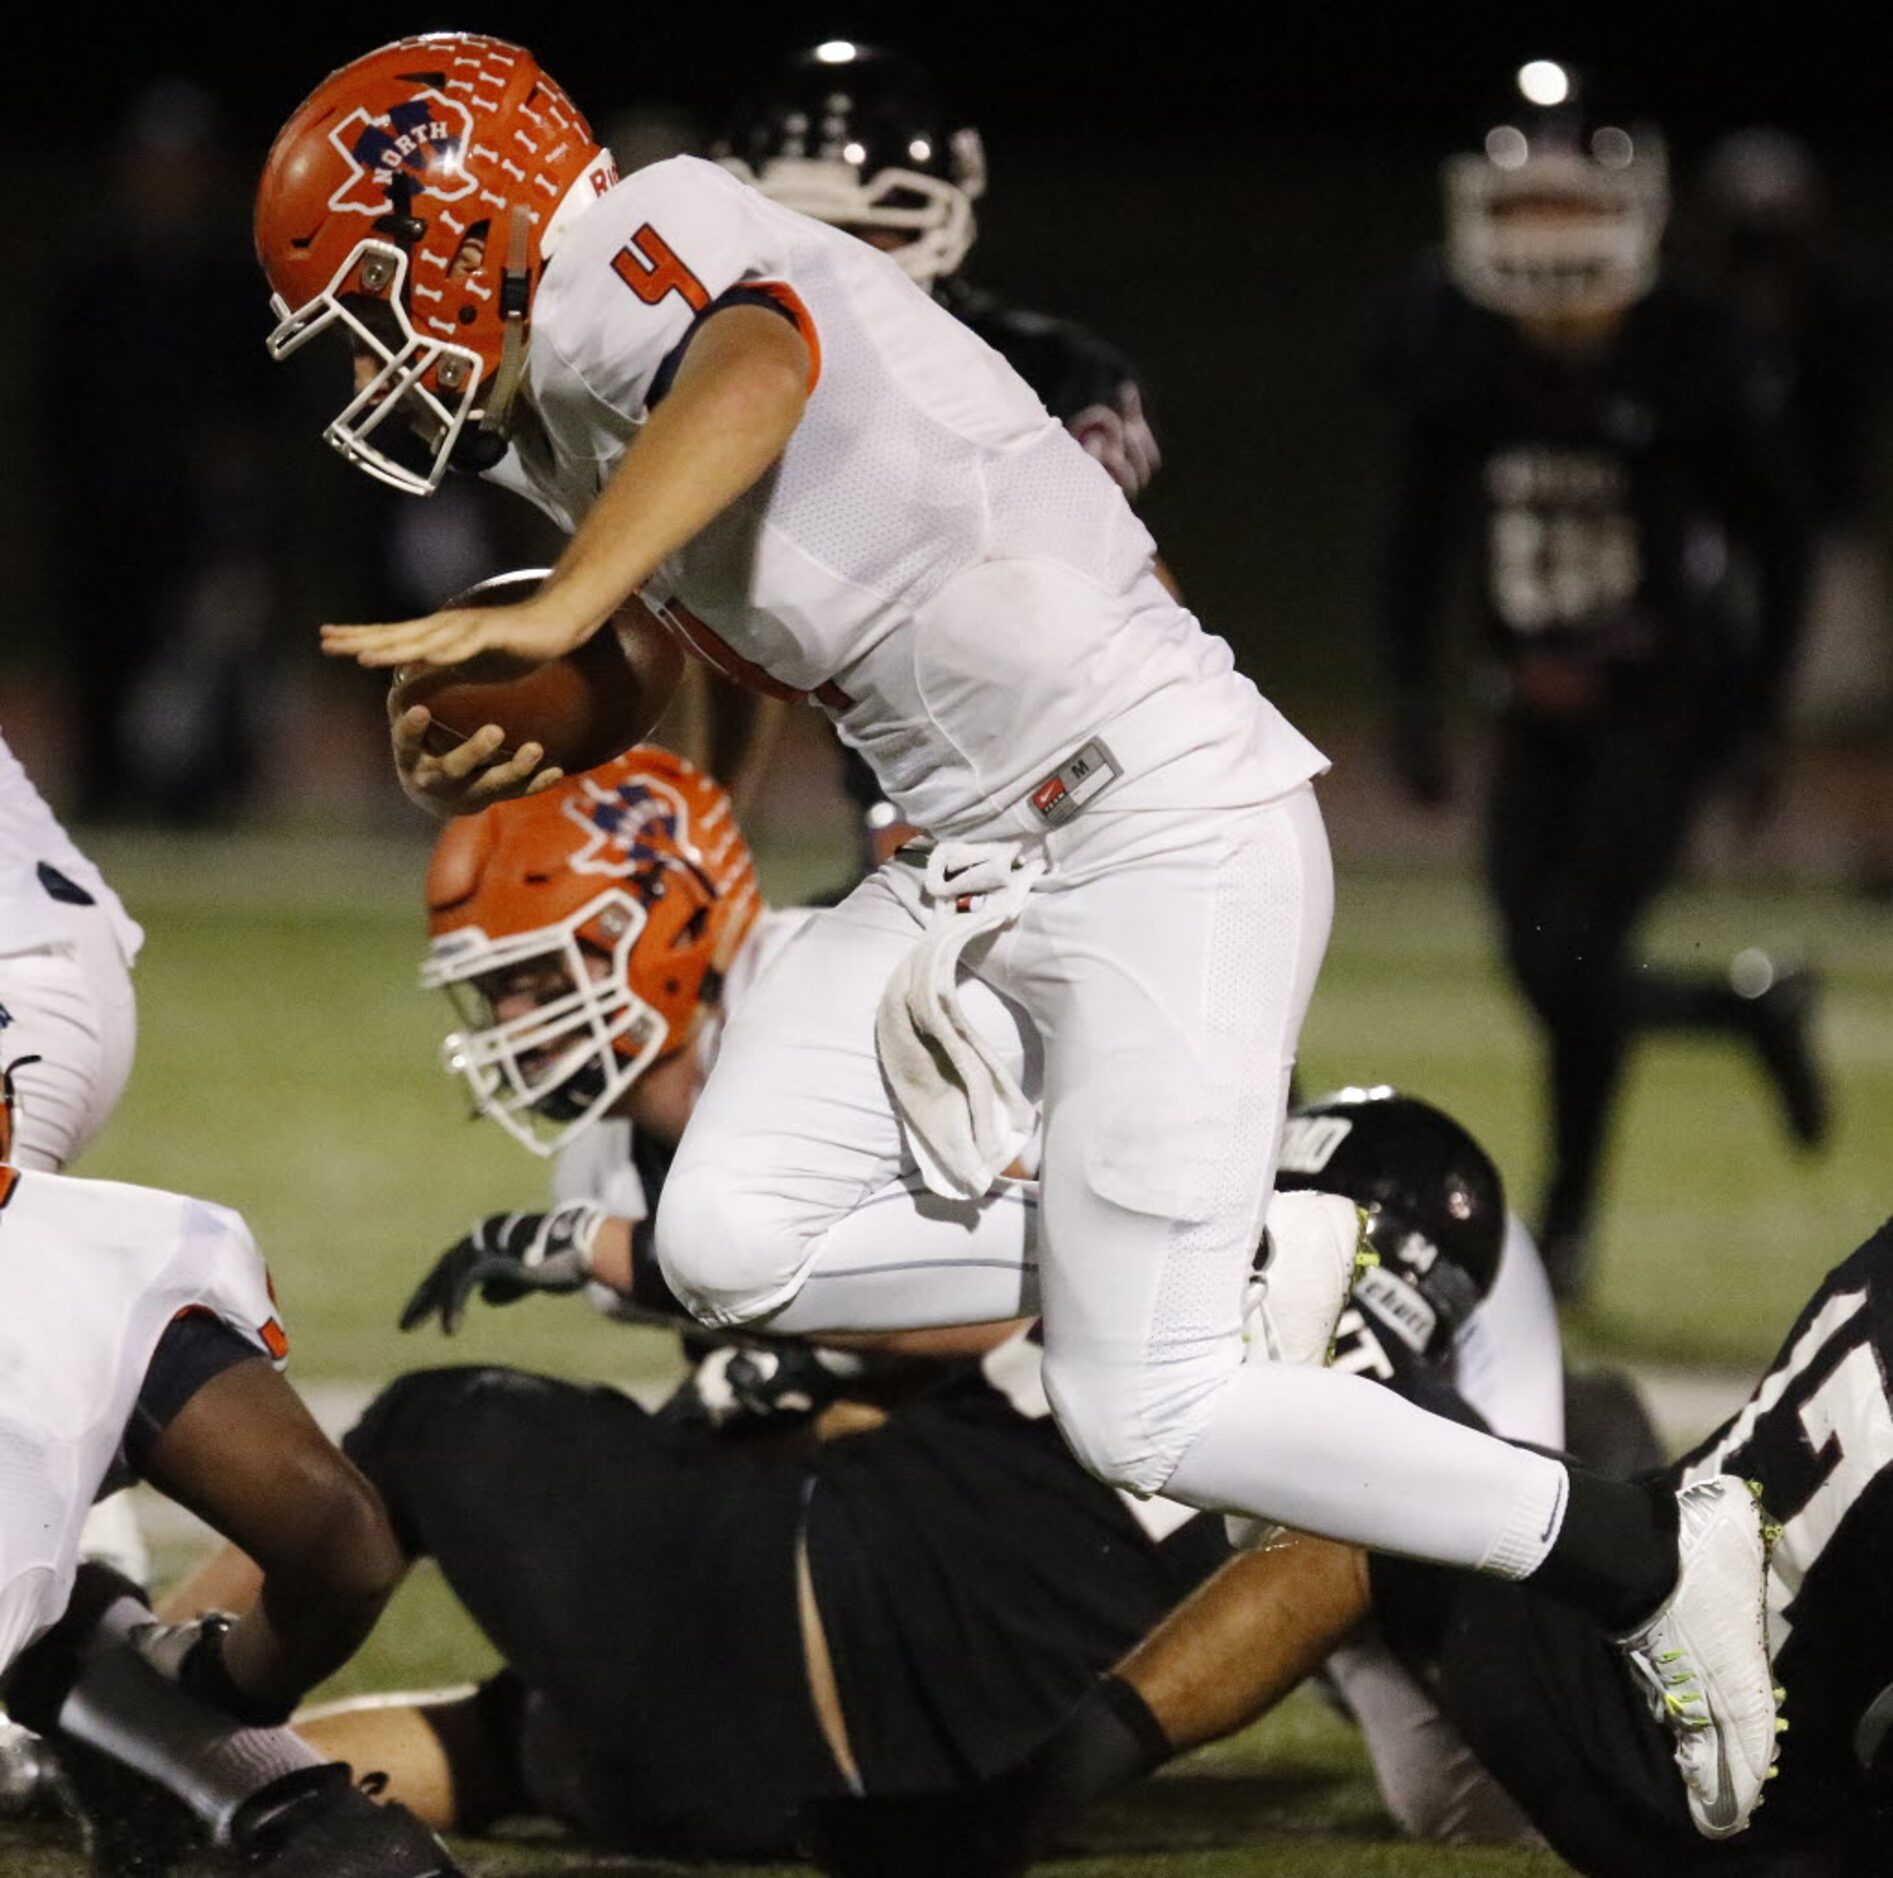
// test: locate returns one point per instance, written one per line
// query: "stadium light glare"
(1544, 82)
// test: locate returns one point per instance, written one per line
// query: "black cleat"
(316, 1823)
(30, 1783)
(133, 1827)
(1780, 1026)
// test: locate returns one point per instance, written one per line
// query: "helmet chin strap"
(515, 298)
(480, 448)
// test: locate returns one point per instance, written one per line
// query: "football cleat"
(30, 1784)
(316, 1823)
(1313, 1250)
(1703, 1658)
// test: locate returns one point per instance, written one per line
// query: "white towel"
(964, 1117)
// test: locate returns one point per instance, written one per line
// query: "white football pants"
(71, 1005)
(1155, 983)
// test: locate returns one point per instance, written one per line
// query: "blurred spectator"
(1762, 236)
(156, 395)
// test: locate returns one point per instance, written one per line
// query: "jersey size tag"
(1086, 773)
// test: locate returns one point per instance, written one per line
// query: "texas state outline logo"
(427, 136)
(640, 826)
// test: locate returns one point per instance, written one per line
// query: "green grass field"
(287, 1067)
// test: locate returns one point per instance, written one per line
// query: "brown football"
(582, 709)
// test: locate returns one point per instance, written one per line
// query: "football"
(582, 709)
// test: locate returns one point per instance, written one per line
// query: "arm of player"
(246, 1456)
(728, 415)
(509, 1255)
(1412, 579)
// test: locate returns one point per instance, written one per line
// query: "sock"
(1340, 1456)
(1108, 1742)
(123, 1707)
(1614, 1555)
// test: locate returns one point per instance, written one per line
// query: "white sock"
(1345, 1458)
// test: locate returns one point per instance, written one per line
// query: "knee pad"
(729, 1256)
(1097, 1413)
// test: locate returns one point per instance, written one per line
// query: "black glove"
(507, 1256)
(1418, 756)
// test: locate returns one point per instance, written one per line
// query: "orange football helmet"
(412, 201)
(581, 933)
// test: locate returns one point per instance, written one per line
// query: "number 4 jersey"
(933, 559)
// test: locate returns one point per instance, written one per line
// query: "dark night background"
(1223, 193)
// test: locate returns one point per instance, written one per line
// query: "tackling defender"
(1533, 1691)
(838, 493)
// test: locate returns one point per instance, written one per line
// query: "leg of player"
(818, 1215)
(198, 1709)
(1240, 1644)
(1165, 970)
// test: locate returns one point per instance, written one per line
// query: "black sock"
(1615, 1555)
(1108, 1742)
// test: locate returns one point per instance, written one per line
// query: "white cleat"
(1703, 1657)
(1315, 1248)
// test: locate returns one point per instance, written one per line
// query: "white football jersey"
(91, 1273)
(31, 839)
(934, 559)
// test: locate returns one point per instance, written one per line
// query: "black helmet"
(1435, 1204)
(1548, 152)
(855, 135)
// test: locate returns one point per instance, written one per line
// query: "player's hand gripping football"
(468, 777)
(539, 628)
(506, 1256)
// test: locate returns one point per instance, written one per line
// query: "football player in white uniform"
(138, 1334)
(66, 952)
(68, 1025)
(841, 494)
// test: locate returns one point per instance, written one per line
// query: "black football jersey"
(1817, 1437)
(1083, 381)
(1605, 497)
(1545, 1699)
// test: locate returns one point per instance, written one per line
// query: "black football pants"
(1585, 825)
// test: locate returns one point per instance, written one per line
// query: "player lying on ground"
(137, 1334)
(1533, 1691)
(925, 1579)
(837, 492)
